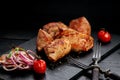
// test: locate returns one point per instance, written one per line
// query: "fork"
(96, 57)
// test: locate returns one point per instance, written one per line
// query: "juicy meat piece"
(68, 32)
(79, 41)
(81, 24)
(57, 49)
(43, 38)
(54, 28)
(58, 40)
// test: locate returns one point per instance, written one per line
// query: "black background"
(20, 19)
(34, 14)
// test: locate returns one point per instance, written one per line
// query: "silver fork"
(96, 57)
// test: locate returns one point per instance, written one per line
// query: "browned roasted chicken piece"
(54, 28)
(81, 24)
(79, 41)
(57, 49)
(58, 40)
(43, 38)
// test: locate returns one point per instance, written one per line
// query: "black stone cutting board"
(62, 71)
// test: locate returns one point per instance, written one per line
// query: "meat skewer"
(81, 25)
(57, 37)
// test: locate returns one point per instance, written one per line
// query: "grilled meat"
(43, 38)
(57, 49)
(58, 40)
(79, 41)
(81, 24)
(54, 28)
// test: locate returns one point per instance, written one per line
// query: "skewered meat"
(79, 41)
(58, 40)
(57, 49)
(54, 28)
(81, 24)
(43, 38)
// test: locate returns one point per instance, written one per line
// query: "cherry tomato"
(39, 66)
(104, 36)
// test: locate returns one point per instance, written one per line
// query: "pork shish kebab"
(79, 40)
(81, 25)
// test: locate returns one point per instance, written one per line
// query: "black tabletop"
(63, 71)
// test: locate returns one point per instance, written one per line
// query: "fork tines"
(97, 52)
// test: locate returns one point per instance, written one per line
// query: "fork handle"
(95, 74)
(113, 76)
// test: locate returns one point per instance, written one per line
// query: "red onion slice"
(9, 68)
(25, 59)
(18, 60)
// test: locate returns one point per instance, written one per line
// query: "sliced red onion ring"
(25, 59)
(32, 54)
(22, 66)
(18, 60)
(9, 68)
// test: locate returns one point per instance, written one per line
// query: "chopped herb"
(9, 55)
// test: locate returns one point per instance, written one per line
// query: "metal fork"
(96, 57)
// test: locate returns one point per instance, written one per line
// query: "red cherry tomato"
(39, 66)
(104, 36)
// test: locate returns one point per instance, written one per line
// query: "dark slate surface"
(65, 71)
(13, 37)
(111, 62)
